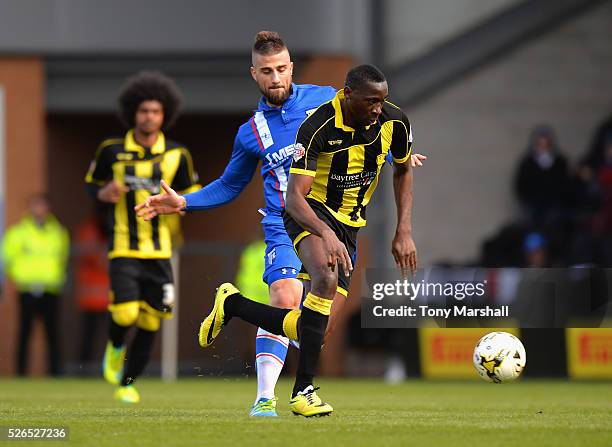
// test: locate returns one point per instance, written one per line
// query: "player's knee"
(285, 293)
(148, 322)
(324, 283)
(126, 314)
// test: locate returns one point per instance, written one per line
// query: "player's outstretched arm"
(237, 175)
(416, 160)
(403, 247)
(167, 202)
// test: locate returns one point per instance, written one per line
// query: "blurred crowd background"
(511, 100)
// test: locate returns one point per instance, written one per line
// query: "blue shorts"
(281, 260)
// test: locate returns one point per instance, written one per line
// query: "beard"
(276, 96)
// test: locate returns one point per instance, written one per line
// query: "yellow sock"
(290, 323)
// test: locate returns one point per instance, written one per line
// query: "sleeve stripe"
(402, 160)
(302, 172)
(110, 142)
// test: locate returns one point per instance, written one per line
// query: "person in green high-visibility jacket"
(251, 270)
(35, 253)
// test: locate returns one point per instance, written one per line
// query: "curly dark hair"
(148, 86)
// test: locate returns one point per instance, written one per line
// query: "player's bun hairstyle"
(268, 42)
(147, 86)
(361, 75)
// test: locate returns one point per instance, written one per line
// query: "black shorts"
(345, 233)
(147, 281)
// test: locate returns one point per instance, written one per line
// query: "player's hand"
(336, 252)
(416, 160)
(167, 202)
(404, 253)
(111, 192)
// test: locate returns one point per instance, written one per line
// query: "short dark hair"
(268, 42)
(39, 196)
(360, 75)
(149, 86)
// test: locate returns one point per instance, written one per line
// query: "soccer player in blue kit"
(268, 137)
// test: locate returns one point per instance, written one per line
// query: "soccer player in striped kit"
(268, 137)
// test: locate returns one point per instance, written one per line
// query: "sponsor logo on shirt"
(298, 152)
(277, 158)
(357, 180)
(133, 182)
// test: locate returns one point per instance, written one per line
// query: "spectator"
(601, 227)
(35, 252)
(542, 179)
(602, 220)
(251, 270)
(596, 154)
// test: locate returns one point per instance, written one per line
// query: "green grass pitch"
(213, 412)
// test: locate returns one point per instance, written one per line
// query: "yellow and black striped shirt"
(141, 170)
(346, 162)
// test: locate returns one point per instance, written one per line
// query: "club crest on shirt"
(298, 151)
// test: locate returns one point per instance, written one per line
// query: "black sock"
(117, 333)
(138, 355)
(263, 316)
(311, 327)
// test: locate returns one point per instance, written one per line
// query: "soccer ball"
(499, 357)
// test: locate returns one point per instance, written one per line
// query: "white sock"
(270, 350)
